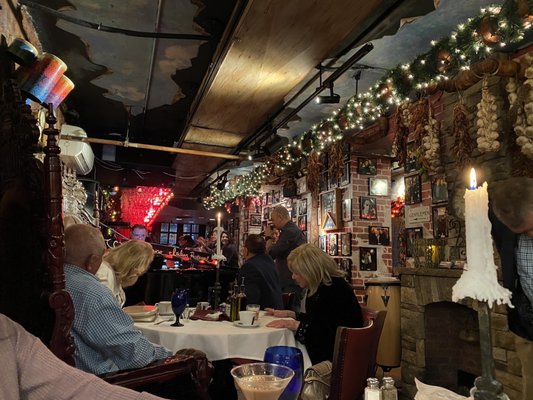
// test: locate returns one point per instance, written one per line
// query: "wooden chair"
(32, 281)
(351, 357)
(378, 317)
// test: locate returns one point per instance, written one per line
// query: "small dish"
(241, 325)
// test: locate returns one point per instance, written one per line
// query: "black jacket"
(261, 282)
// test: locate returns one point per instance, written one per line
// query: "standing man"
(512, 230)
(139, 232)
(260, 275)
(135, 294)
(289, 238)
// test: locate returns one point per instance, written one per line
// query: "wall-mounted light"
(330, 98)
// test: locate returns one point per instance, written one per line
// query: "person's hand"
(291, 324)
(280, 313)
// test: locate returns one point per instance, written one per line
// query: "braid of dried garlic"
(487, 132)
(430, 141)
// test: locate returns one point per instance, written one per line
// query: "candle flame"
(473, 181)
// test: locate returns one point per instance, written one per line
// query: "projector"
(328, 99)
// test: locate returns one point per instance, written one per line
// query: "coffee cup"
(164, 308)
(247, 317)
(203, 305)
(255, 308)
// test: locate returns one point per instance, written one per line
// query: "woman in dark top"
(229, 250)
(330, 302)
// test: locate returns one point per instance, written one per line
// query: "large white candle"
(219, 230)
(479, 281)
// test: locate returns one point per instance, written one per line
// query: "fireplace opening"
(452, 352)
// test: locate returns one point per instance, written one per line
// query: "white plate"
(141, 313)
(241, 325)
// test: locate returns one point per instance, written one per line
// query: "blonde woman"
(123, 265)
(330, 302)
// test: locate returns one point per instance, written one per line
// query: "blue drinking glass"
(179, 301)
(290, 357)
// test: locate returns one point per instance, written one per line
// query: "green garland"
(465, 47)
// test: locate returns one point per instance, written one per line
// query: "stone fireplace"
(440, 338)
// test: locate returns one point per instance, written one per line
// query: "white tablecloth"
(221, 340)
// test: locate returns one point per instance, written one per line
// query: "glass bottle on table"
(372, 390)
(234, 304)
(242, 296)
(388, 389)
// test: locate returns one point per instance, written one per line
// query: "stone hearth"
(440, 338)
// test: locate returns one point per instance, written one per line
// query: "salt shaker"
(372, 390)
(388, 389)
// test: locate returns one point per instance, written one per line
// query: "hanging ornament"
(444, 61)
(488, 30)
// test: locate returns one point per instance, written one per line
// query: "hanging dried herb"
(313, 174)
(402, 132)
(463, 144)
(336, 162)
(418, 119)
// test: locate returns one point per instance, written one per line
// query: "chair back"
(378, 317)
(351, 358)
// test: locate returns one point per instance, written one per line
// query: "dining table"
(221, 340)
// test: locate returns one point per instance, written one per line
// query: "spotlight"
(331, 98)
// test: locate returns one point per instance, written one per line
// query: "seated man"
(104, 335)
(31, 371)
(261, 279)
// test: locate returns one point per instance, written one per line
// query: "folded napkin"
(209, 315)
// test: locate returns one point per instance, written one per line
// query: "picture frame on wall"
(368, 259)
(439, 189)
(323, 242)
(266, 213)
(302, 222)
(347, 210)
(440, 222)
(368, 208)
(413, 189)
(379, 235)
(346, 244)
(255, 219)
(333, 245)
(302, 207)
(277, 197)
(367, 166)
(378, 187)
(323, 181)
(411, 234)
(345, 177)
(346, 266)
(411, 158)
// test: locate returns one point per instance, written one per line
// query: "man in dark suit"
(511, 216)
(261, 279)
(289, 238)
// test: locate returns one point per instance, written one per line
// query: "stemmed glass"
(290, 357)
(179, 301)
(263, 381)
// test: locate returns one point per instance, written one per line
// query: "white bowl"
(141, 313)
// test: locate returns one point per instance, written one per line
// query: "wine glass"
(179, 301)
(290, 357)
(263, 381)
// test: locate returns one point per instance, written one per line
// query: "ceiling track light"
(331, 98)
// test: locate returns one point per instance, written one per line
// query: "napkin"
(209, 315)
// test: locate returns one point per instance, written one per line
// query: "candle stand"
(486, 385)
(217, 288)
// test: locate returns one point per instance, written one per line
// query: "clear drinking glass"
(254, 307)
(290, 357)
(262, 381)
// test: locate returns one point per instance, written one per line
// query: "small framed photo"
(411, 234)
(378, 187)
(379, 235)
(346, 244)
(347, 210)
(439, 189)
(440, 222)
(276, 197)
(413, 189)
(367, 166)
(255, 219)
(346, 266)
(302, 222)
(367, 208)
(368, 259)
(411, 158)
(266, 213)
(346, 150)
(302, 207)
(323, 242)
(345, 177)
(333, 248)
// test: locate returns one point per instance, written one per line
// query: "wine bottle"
(234, 301)
(242, 296)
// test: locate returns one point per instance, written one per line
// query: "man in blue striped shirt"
(104, 335)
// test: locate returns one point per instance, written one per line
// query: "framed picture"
(379, 235)
(323, 242)
(413, 189)
(245, 226)
(367, 259)
(323, 181)
(266, 213)
(302, 222)
(367, 166)
(276, 196)
(378, 187)
(333, 249)
(346, 244)
(439, 190)
(347, 210)
(411, 158)
(346, 266)
(331, 209)
(346, 150)
(440, 222)
(302, 207)
(367, 208)
(345, 177)
(255, 219)
(411, 234)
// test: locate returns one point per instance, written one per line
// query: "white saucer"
(241, 325)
